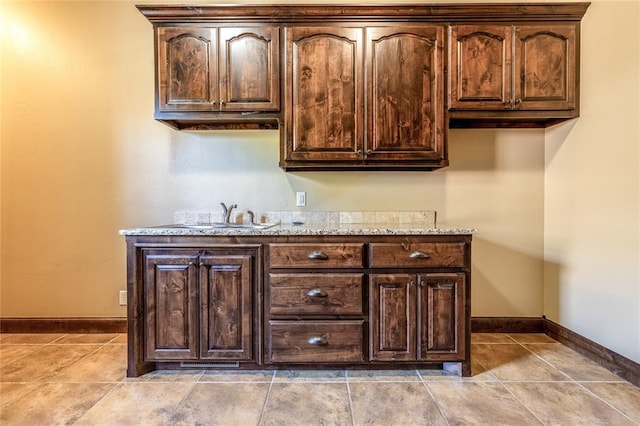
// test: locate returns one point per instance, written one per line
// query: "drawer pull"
(419, 255)
(317, 292)
(317, 341)
(318, 255)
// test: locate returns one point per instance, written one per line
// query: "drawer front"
(316, 294)
(316, 255)
(393, 255)
(316, 341)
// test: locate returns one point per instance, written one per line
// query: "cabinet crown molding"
(419, 12)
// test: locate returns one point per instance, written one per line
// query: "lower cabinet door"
(331, 341)
(417, 317)
(170, 306)
(226, 285)
(393, 317)
(442, 307)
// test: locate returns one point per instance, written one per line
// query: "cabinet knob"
(320, 255)
(317, 341)
(317, 292)
(419, 255)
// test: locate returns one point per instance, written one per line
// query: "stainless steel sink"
(222, 225)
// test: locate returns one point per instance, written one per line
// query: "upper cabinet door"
(218, 70)
(480, 67)
(405, 117)
(545, 67)
(187, 70)
(513, 70)
(249, 69)
(323, 94)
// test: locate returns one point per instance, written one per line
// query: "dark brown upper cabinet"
(366, 87)
(364, 97)
(215, 75)
(505, 74)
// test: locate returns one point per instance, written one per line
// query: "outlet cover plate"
(301, 199)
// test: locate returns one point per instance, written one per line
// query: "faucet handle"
(227, 211)
(252, 217)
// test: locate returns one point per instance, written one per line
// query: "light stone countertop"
(421, 222)
(289, 229)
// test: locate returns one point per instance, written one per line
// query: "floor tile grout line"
(433, 398)
(589, 391)
(266, 399)
(486, 370)
(548, 363)
(520, 402)
(47, 378)
(186, 395)
(116, 386)
(353, 414)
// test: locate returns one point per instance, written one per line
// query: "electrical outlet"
(123, 297)
(301, 199)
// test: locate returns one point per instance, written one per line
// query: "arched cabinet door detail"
(218, 69)
(525, 71)
(405, 93)
(324, 94)
(545, 67)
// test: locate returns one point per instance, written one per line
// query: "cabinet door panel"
(442, 305)
(187, 69)
(545, 67)
(480, 67)
(170, 289)
(324, 93)
(405, 93)
(393, 317)
(226, 306)
(249, 69)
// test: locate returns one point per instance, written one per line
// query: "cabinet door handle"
(419, 255)
(317, 292)
(317, 341)
(318, 255)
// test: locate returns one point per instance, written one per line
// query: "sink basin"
(222, 225)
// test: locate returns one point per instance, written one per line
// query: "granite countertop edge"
(353, 229)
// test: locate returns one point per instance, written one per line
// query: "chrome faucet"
(252, 217)
(227, 211)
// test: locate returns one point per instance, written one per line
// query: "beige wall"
(82, 157)
(592, 191)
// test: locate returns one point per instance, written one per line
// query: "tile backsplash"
(424, 218)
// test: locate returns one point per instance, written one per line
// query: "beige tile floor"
(518, 379)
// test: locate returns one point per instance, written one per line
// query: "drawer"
(316, 255)
(316, 294)
(394, 255)
(316, 341)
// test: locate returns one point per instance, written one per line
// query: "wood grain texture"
(226, 284)
(292, 341)
(390, 255)
(315, 294)
(320, 255)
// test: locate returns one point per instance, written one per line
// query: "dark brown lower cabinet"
(302, 301)
(417, 317)
(198, 305)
